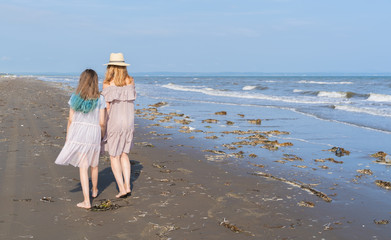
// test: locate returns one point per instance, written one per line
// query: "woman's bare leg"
(126, 170)
(85, 187)
(94, 180)
(117, 171)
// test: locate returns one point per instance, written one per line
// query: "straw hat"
(117, 59)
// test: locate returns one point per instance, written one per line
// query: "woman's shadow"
(106, 177)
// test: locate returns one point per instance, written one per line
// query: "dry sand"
(177, 194)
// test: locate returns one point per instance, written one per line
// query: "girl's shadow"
(106, 177)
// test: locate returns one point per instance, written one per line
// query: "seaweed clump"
(105, 205)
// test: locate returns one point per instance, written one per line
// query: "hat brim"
(117, 64)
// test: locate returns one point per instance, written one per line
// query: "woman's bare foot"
(94, 193)
(121, 195)
(84, 205)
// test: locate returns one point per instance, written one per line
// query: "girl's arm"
(70, 117)
(102, 122)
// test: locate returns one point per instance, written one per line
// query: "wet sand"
(177, 193)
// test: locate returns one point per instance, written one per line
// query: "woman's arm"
(102, 122)
(70, 117)
(107, 103)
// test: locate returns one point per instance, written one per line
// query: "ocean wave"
(319, 82)
(371, 111)
(332, 94)
(374, 97)
(247, 88)
(221, 93)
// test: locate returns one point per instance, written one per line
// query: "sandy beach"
(177, 192)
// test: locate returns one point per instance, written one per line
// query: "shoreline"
(177, 193)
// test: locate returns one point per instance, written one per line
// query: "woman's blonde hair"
(88, 87)
(118, 74)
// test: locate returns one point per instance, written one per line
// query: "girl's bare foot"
(84, 205)
(94, 193)
(121, 195)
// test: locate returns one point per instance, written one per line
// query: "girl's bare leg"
(85, 187)
(126, 170)
(117, 171)
(94, 180)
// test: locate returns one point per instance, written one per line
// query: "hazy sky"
(197, 35)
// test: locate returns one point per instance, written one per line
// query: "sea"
(319, 112)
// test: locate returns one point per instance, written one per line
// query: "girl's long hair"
(88, 87)
(118, 74)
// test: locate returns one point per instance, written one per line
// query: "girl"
(86, 125)
(119, 92)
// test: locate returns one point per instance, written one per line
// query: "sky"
(196, 35)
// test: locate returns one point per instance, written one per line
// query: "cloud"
(5, 58)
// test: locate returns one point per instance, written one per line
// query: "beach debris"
(383, 184)
(144, 144)
(230, 123)
(299, 166)
(380, 155)
(306, 204)
(276, 132)
(46, 199)
(270, 147)
(210, 121)
(280, 161)
(291, 157)
(159, 104)
(192, 137)
(257, 165)
(221, 113)
(252, 155)
(104, 205)
(229, 146)
(151, 109)
(162, 231)
(241, 115)
(382, 158)
(240, 132)
(365, 171)
(324, 167)
(255, 121)
(182, 121)
(214, 151)
(233, 227)
(158, 165)
(339, 152)
(166, 119)
(307, 188)
(381, 222)
(328, 159)
(176, 114)
(212, 137)
(319, 160)
(239, 154)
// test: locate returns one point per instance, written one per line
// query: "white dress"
(82, 146)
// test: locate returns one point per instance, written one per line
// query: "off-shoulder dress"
(120, 119)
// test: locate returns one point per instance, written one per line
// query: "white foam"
(371, 111)
(319, 82)
(298, 90)
(332, 94)
(214, 92)
(247, 88)
(379, 97)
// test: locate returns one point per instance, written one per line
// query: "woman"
(119, 92)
